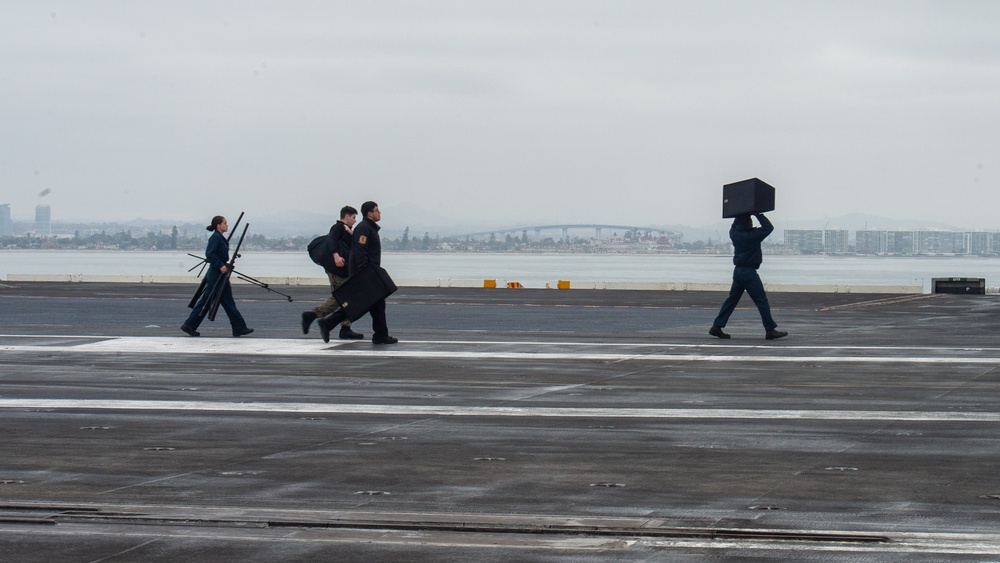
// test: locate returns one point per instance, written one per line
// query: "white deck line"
(714, 345)
(549, 351)
(507, 411)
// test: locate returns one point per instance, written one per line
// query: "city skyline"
(417, 218)
(893, 241)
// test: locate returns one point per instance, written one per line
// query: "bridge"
(565, 229)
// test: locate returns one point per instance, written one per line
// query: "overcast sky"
(509, 112)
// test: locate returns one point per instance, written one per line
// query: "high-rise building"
(6, 225)
(902, 243)
(43, 221)
(808, 241)
(905, 243)
(835, 241)
(871, 242)
(982, 243)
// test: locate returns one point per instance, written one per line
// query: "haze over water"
(531, 270)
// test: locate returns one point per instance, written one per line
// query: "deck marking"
(549, 351)
(715, 344)
(499, 411)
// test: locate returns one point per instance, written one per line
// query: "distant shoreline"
(577, 252)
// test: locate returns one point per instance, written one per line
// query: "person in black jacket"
(217, 256)
(366, 252)
(339, 241)
(747, 258)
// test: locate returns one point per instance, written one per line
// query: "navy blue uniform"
(367, 248)
(367, 252)
(217, 256)
(340, 243)
(747, 258)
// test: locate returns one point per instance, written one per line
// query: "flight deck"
(507, 424)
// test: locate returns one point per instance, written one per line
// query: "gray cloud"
(519, 111)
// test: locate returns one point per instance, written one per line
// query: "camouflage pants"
(331, 305)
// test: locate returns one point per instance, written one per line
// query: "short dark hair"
(347, 210)
(367, 207)
(742, 220)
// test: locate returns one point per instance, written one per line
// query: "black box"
(749, 196)
(964, 286)
(362, 290)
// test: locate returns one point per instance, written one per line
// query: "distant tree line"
(121, 240)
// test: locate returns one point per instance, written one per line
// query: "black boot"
(324, 329)
(716, 331)
(347, 334)
(307, 318)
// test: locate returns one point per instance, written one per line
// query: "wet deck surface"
(528, 425)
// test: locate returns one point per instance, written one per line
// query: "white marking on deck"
(498, 411)
(716, 344)
(554, 351)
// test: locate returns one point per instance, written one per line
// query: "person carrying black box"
(747, 257)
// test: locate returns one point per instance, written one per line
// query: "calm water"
(532, 270)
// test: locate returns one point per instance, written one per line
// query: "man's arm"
(337, 236)
(765, 229)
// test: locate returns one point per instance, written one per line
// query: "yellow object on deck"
(563, 284)
(490, 284)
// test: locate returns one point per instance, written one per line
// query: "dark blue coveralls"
(747, 258)
(217, 256)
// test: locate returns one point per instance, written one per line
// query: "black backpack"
(321, 252)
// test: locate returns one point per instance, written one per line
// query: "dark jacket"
(217, 251)
(367, 249)
(341, 243)
(746, 242)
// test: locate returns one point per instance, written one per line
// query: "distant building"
(984, 243)
(901, 243)
(835, 241)
(6, 225)
(817, 241)
(870, 242)
(912, 243)
(807, 241)
(942, 242)
(43, 220)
